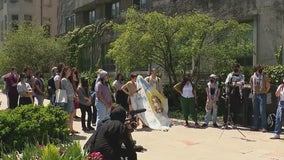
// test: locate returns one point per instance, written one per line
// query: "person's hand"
(282, 86)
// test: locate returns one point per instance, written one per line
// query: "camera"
(131, 119)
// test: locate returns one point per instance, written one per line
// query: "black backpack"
(50, 87)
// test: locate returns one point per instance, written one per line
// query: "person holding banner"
(155, 81)
(130, 89)
(188, 99)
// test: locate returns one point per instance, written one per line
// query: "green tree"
(176, 42)
(30, 46)
(86, 41)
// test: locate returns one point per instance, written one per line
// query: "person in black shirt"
(234, 84)
(110, 136)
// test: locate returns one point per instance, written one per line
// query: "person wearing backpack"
(51, 86)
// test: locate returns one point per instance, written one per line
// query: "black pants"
(13, 100)
(232, 105)
(94, 114)
(85, 109)
(25, 100)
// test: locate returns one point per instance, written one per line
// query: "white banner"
(156, 105)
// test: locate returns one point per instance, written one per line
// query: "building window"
(47, 29)
(139, 4)
(13, 1)
(15, 17)
(5, 22)
(47, 3)
(70, 23)
(115, 9)
(92, 17)
(1, 4)
(14, 23)
(28, 18)
(142, 4)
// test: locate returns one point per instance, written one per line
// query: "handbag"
(60, 96)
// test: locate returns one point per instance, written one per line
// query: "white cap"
(213, 76)
(102, 74)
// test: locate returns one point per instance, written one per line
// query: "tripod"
(229, 118)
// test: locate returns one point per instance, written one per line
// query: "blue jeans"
(102, 112)
(259, 108)
(279, 119)
(211, 114)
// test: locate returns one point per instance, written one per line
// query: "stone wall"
(265, 15)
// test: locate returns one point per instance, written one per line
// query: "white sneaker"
(276, 136)
(234, 126)
(225, 126)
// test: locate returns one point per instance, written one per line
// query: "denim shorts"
(69, 107)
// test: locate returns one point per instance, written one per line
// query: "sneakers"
(186, 124)
(276, 136)
(196, 125)
(234, 126)
(215, 125)
(264, 130)
(204, 125)
(254, 129)
(91, 128)
(85, 129)
(225, 126)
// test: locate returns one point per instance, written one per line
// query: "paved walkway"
(182, 143)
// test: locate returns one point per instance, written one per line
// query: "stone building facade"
(41, 12)
(266, 17)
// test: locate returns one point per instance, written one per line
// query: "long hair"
(185, 79)
(63, 72)
(119, 75)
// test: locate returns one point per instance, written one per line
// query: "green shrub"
(32, 124)
(275, 73)
(49, 152)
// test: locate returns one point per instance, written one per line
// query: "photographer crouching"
(112, 139)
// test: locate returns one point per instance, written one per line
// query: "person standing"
(39, 88)
(103, 98)
(25, 91)
(188, 99)
(260, 86)
(155, 81)
(11, 82)
(57, 77)
(30, 79)
(51, 86)
(279, 112)
(130, 89)
(74, 79)
(213, 93)
(234, 84)
(120, 96)
(85, 102)
(66, 84)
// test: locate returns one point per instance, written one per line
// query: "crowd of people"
(96, 100)
(234, 84)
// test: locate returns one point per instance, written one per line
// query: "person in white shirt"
(279, 112)
(188, 99)
(155, 81)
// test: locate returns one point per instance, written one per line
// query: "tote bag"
(60, 96)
